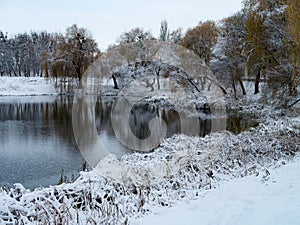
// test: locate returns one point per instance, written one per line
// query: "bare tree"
(231, 46)
(176, 36)
(134, 35)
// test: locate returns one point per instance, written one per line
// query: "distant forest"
(261, 41)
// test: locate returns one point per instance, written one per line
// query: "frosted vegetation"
(189, 165)
(248, 63)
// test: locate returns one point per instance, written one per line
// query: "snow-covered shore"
(248, 200)
(21, 86)
(193, 167)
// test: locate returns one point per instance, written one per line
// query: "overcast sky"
(108, 19)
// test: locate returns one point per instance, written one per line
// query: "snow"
(25, 99)
(246, 200)
(254, 184)
(19, 86)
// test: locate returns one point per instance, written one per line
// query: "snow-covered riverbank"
(20, 86)
(192, 168)
(248, 200)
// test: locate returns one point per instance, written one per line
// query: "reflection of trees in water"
(22, 111)
(238, 123)
(53, 117)
(142, 114)
(61, 113)
(56, 118)
(102, 112)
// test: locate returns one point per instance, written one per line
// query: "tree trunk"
(158, 84)
(293, 86)
(233, 84)
(115, 82)
(242, 86)
(257, 80)
(78, 71)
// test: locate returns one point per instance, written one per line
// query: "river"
(37, 145)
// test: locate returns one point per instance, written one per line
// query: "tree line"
(261, 41)
(47, 54)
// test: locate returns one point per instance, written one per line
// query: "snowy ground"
(246, 200)
(18, 86)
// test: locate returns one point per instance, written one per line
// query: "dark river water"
(37, 145)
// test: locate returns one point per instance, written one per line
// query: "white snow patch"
(18, 86)
(245, 201)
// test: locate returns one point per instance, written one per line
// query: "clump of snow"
(18, 86)
(182, 168)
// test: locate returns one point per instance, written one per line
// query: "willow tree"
(257, 51)
(201, 40)
(76, 50)
(261, 30)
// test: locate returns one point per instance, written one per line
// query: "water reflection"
(141, 115)
(37, 141)
(237, 122)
